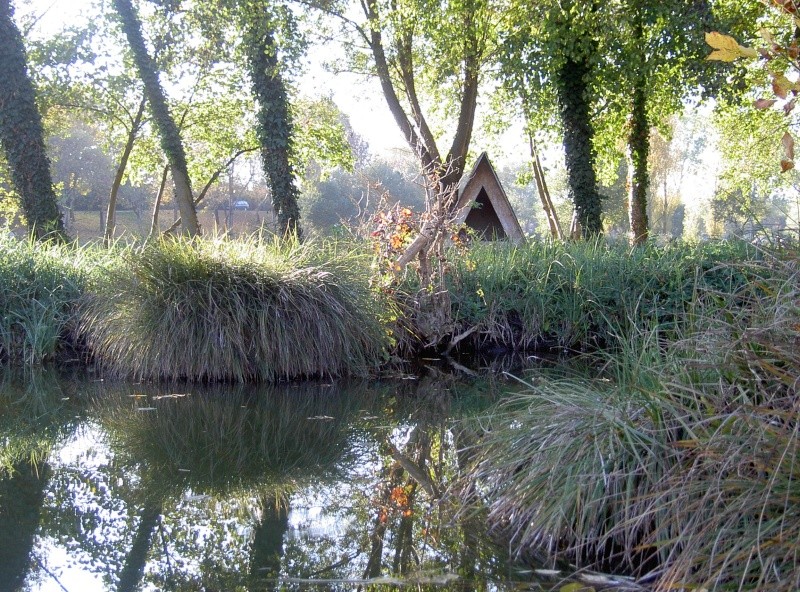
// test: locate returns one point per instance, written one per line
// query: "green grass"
(682, 466)
(40, 285)
(580, 295)
(236, 310)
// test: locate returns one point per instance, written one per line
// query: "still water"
(325, 486)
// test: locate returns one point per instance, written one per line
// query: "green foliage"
(682, 467)
(236, 310)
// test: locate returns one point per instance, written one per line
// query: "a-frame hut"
(483, 204)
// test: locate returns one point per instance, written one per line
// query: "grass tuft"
(681, 466)
(235, 310)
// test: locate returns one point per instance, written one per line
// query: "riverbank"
(242, 310)
(676, 464)
(681, 466)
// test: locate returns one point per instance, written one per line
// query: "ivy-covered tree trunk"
(22, 133)
(167, 129)
(578, 146)
(274, 126)
(638, 176)
(638, 144)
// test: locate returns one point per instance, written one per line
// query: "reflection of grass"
(247, 438)
(35, 414)
(687, 461)
(236, 310)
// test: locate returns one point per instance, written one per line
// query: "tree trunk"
(167, 129)
(578, 144)
(638, 152)
(111, 214)
(274, 127)
(22, 134)
(544, 194)
(157, 205)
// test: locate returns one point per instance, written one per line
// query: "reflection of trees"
(209, 490)
(21, 496)
(35, 413)
(248, 446)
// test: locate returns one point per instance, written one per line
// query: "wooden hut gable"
(483, 204)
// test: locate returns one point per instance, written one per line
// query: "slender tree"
(274, 125)
(168, 131)
(22, 134)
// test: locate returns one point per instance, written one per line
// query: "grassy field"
(85, 226)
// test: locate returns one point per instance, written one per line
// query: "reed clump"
(681, 466)
(40, 286)
(235, 310)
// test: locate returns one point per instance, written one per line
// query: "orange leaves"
(394, 231)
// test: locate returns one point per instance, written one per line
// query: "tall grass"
(579, 295)
(683, 466)
(235, 310)
(40, 285)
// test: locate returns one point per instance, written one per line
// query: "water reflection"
(129, 487)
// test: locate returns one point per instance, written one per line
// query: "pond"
(332, 486)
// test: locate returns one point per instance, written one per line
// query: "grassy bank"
(582, 295)
(253, 310)
(683, 466)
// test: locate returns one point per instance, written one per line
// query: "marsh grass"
(40, 285)
(236, 310)
(681, 466)
(581, 295)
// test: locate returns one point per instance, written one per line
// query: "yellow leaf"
(766, 35)
(727, 49)
(720, 41)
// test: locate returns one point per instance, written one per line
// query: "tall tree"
(22, 134)
(274, 125)
(428, 57)
(169, 134)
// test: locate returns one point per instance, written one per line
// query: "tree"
(433, 54)
(274, 125)
(169, 134)
(22, 134)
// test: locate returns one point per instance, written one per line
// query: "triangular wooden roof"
(483, 204)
